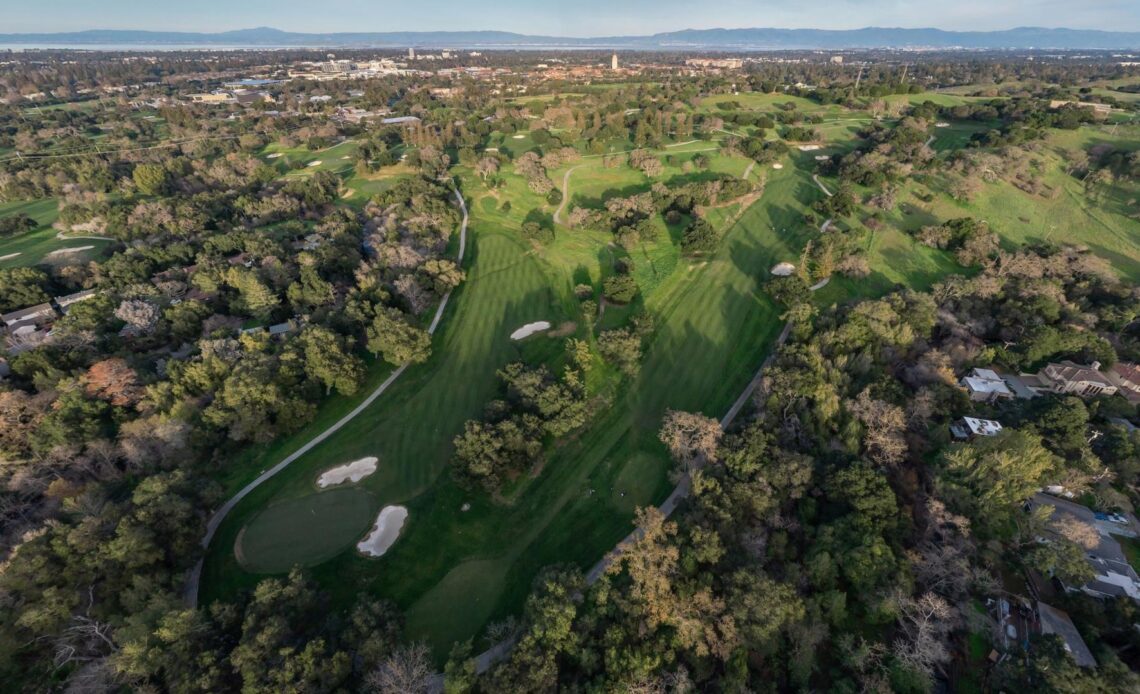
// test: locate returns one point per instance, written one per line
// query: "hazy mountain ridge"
(708, 39)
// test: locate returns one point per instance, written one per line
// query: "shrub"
(620, 289)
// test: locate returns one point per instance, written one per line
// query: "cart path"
(565, 193)
(194, 578)
(815, 177)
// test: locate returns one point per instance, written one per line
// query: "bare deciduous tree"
(692, 438)
(925, 623)
(413, 293)
(884, 424)
(407, 671)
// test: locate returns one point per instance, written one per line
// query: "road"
(190, 594)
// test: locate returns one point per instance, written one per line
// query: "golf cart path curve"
(565, 193)
(191, 591)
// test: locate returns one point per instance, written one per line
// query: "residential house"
(27, 327)
(1115, 577)
(64, 303)
(985, 385)
(33, 315)
(969, 428)
(1067, 378)
(1054, 621)
(1126, 377)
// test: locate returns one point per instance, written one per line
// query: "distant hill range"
(689, 39)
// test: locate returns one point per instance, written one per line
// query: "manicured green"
(305, 530)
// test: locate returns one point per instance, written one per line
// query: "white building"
(972, 427)
(985, 385)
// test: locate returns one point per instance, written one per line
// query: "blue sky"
(565, 18)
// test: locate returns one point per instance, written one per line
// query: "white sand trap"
(530, 329)
(823, 157)
(809, 148)
(350, 472)
(384, 533)
(519, 137)
(275, 155)
(315, 163)
(65, 251)
(942, 125)
(346, 157)
(777, 166)
(10, 256)
(783, 270)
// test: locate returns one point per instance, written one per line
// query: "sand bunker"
(783, 270)
(942, 125)
(519, 137)
(822, 157)
(777, 166)
(809, 148)
(530, 329)
(275, 155)
(9, 256)
(384, 533)
(65, 251)
(350, 472)
(315, 163)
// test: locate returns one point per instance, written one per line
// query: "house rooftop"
(1127, 370)
(972, 426)
(1072, 372)
(27, 314)
(1054, 621)
(1115, 576)
(986, 385)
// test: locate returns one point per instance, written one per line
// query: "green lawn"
(38, 245)
(315, 527)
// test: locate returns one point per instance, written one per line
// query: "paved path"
(751, 165)
(815, 177)
(565, 193)
(194, 578)
(826, 225)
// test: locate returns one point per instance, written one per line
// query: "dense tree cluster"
(508, 441)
